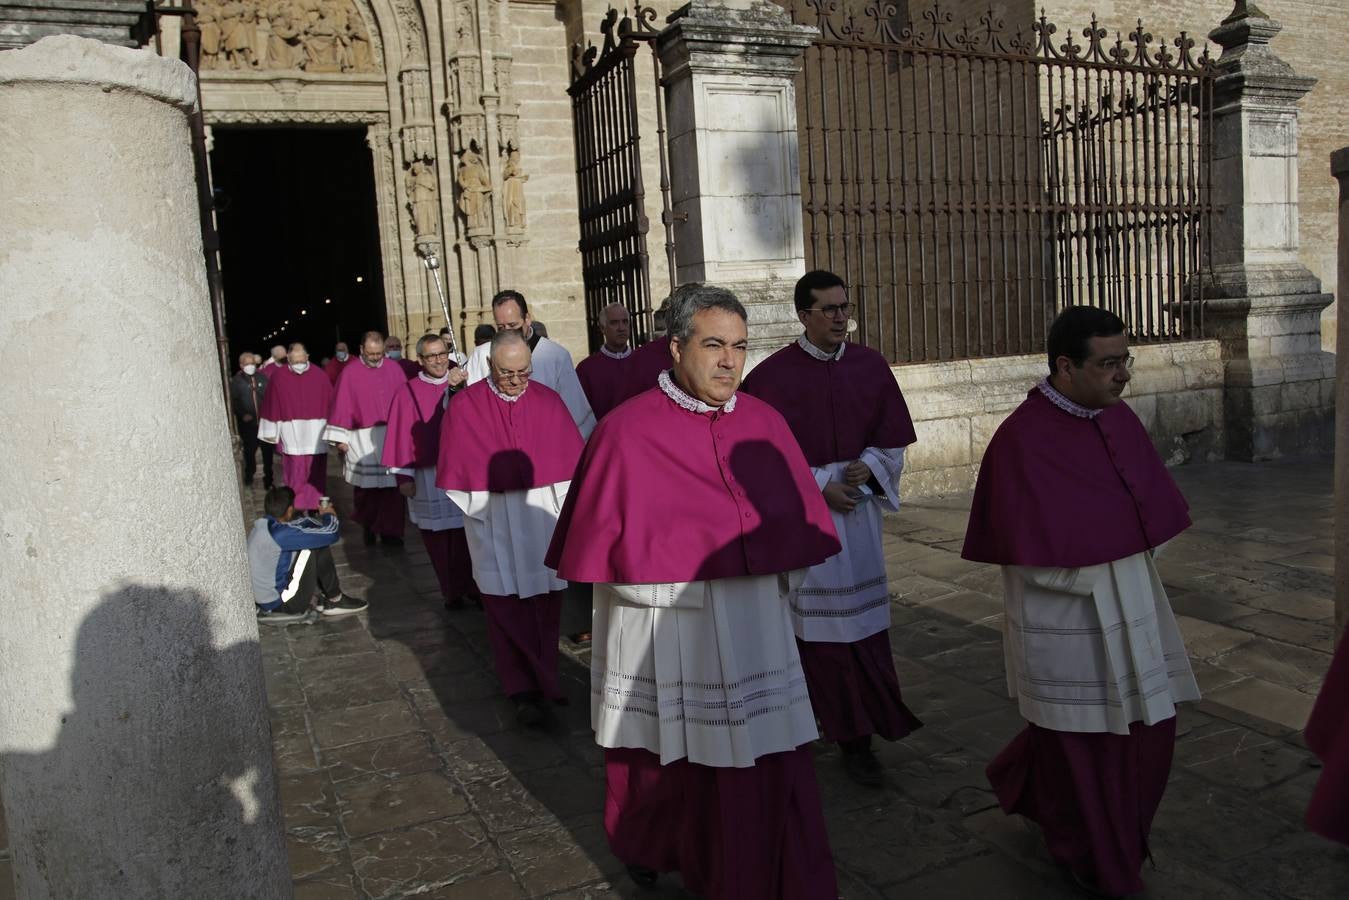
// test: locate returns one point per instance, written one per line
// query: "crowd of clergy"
(729, 529)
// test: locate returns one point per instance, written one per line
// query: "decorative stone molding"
(298, 116)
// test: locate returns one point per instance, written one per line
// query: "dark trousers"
(313, 572)
(248, 436)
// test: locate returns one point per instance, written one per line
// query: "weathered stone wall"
(1324, 113)
(1177, 390)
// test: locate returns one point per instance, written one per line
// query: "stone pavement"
(403, 773)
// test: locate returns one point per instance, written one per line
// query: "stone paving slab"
(403, 774)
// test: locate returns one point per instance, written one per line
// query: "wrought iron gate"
(968, 181)
(612, 198)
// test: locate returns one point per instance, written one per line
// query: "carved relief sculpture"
(513, 190)
(311, 35)
(475, 189)
(421, 191)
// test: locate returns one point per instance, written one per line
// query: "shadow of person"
(157, 781)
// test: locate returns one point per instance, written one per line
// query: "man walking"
(247, 389)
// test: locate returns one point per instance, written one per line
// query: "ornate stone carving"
(475, 190)
(513, 180)
(412, 30)
(303, 117)
(418, 131)
(420, 183)
(310, 35)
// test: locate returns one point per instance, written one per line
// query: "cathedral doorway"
(299, 237)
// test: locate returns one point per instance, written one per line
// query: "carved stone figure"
(513, 190)
(314, 35)
(421, 190)
(475, 188)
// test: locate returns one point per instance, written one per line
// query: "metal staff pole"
(432, 263)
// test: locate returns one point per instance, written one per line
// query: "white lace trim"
(692, 404)
(612, 355)
(441, 380)
(819, 354)
(1063, 403)
(496, 390)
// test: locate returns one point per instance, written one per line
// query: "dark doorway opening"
(299, 237)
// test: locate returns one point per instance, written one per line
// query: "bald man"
(604, 374)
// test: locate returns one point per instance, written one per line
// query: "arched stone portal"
(457, 171)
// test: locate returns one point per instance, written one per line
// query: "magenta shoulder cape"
(1058, 490)
(836, 408)
(290, 396)
(1327, 735)
(363, 394)
(487, 444)
(412, 439)
(645, 366)
(667, 495)
(604, 380)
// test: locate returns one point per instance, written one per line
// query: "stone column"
(730, 103)
(1263, 304)
(1339, 167)
(135, 752)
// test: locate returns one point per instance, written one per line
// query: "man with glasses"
(507, 450)
(411, 447)
(1073, 502)
(356, 426)
(552, 363)
(849, 417)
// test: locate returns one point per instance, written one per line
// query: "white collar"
(819, 354)
(612, 355)
(429, 380)
(496, 390)
(692, 404)
(1075, 409)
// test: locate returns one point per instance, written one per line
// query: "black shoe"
(388, 541)
(861, 764)
(367, 536)
(528, 712)
(343, 606)
(642, 876)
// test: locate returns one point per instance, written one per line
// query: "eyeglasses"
(1115, 363)
(431, 357)
(835, 310)
(508, 377)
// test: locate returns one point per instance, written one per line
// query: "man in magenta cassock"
(411, 449)
(293, 415)
(1073, 502)
(695, 516)
(1328, 737)
(846, 410)
(356, 426)
(508, 447)
(604, 373)
(334, 366)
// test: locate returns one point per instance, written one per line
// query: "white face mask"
(299, 368)
(250, 369)
(394, 354)
(342, 355)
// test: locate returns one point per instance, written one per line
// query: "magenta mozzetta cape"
(664, 495)
(836, 408)
(605, 380)
(489, 444)
(1063, 491)
(645, 366)
(1328, 737)
(363, 394)
(290, 397)
(412, 439)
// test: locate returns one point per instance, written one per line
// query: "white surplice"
(508, 536)
(553, 368)
(295, 437)
(360, 464)
(1095, 648)
(430, 509)
(847, 597)
(706, 671)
